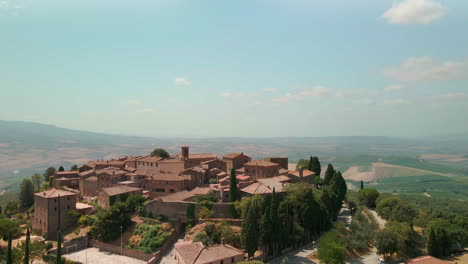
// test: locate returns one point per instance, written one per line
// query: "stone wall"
(177, 210)
(72, 245)
(117, 250)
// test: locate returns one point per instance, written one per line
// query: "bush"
(203, 237)
(368, 197)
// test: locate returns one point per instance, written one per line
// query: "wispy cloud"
(145, 110)
(133, 102)
(398, 101)
(182, 81)
(391, 88)
(269, 90)
(226, 94)
(414, 12)
(425, 68)
(302, 95)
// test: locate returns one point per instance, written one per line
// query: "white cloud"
(398, 101)
(450, 96)
(414, 12)
(182, 82)
(425, 69)
(302, 95)
(269, 90)
(226, 94)
(390, 88)
(133, 102)
(144, 110)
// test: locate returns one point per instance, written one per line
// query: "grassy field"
(433, 185)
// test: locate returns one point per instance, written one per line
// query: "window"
(68, 206)
(68, 198)
(171, 190)
(232, 260)
(222, 261)
(55, 208)
(55, 200)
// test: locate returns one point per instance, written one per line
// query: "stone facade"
(50, 209)
(259, 169)
(235, 160)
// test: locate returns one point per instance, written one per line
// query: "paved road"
(298, 256)
(169, 257)
(345, 216)
(382, 222)
(96, 256)
(371, 257)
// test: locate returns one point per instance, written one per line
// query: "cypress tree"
(9, 252)
(191, 214)
(328, 174)
(317, 168)
(311, 165)
(61, 169)
(0, 210)
(51, 182)
(233, 193)
(26, 247)
(432, 243)
(362, 185)
(250, 228)
(59, 247)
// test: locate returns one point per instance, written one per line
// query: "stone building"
(259, 169)
(235, 160)
(197, 253)
(50, 211)
(111, 195)
(282, 161)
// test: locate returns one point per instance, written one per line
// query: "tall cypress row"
(328, 174)
(233, 193)
(59, 247)
(26, 247)
(9, 253)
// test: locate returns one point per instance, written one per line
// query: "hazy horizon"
(237, 69)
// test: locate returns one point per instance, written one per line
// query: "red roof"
(426, 260)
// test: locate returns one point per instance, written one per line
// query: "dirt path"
(382, 222)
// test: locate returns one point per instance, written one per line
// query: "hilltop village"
(171, 184)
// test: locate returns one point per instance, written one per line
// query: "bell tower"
(185, 152)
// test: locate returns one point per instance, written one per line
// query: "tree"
(48, 172)
(9, 252)
(251, 225)
(0, 210)
(26, 247)
(317, 168)
(386, 242)
(331, 248)
(51, 182)
(26, 192)
(202, 237)
(328, 174)
(432, 243)
(368, 197)
(135, 203)
(61, 168)
(8, 226)
(74, 167)
(233, 192)
(107, 224)
(36, 250)
(191, 214)
(362, 185)
(302, 163)
(59, 247)
(36, 179)
(162, 153)
(11, 208)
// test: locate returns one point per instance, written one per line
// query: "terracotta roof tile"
(51, 193)
(262, 163)
(111, 191)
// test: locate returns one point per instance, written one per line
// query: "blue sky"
(237, 68)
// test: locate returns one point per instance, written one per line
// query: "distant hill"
(30, 145)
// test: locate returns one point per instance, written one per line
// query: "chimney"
(185, 152)
(301, 172)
